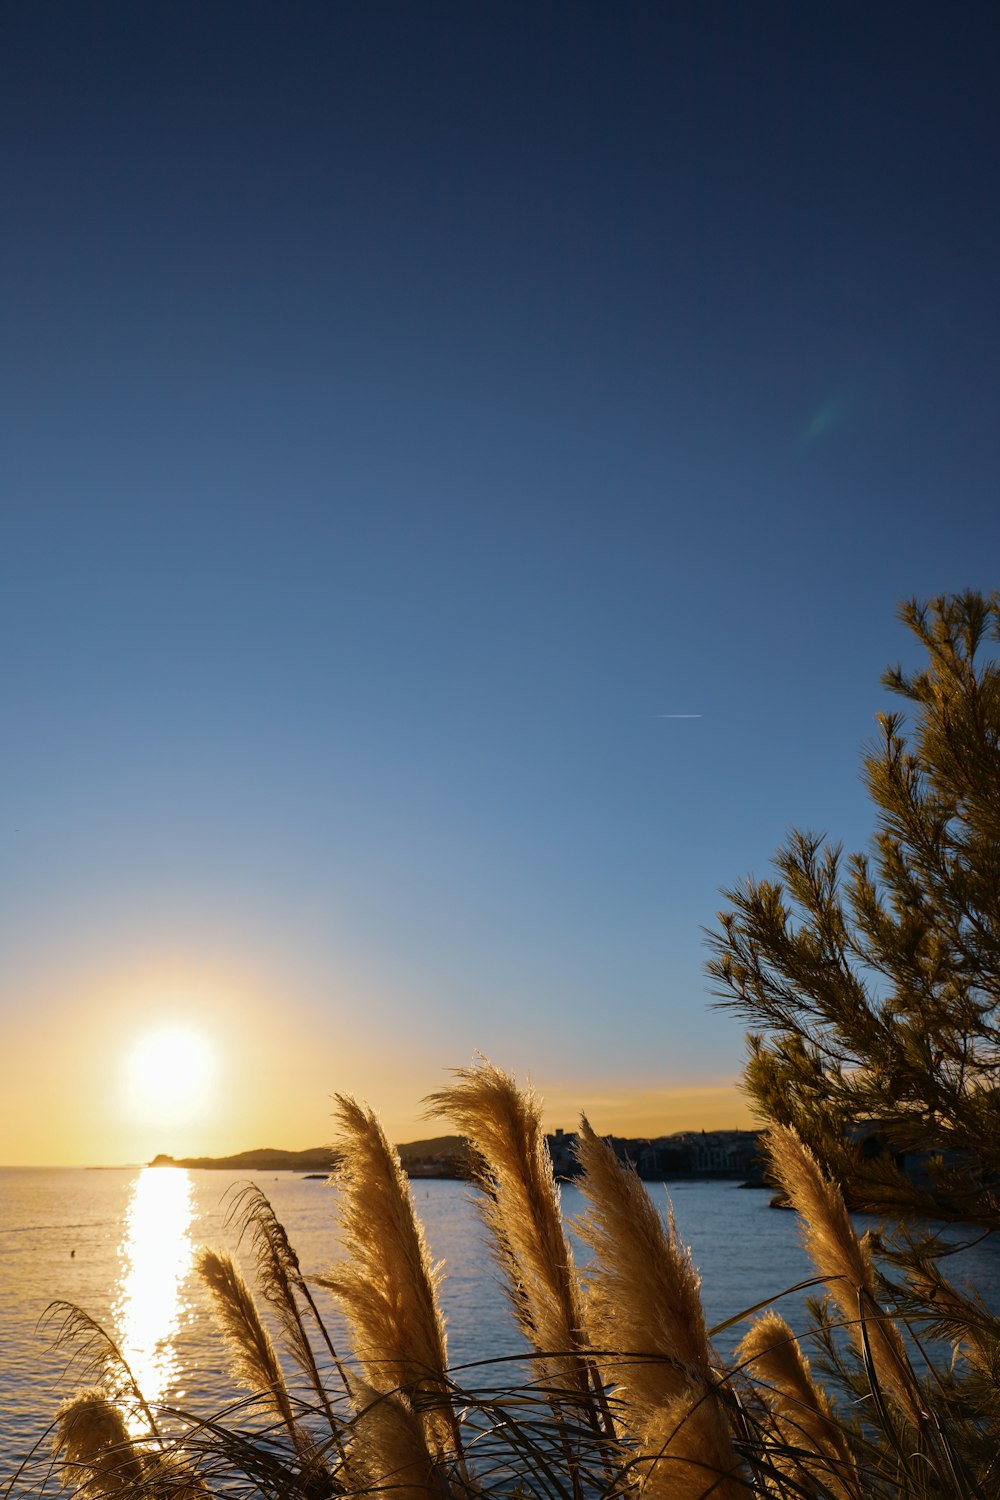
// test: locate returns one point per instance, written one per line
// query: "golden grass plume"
(521, 1208)
(252, 1354)
(799, 1410)
(97, 1455)
(280, 1279)
(644, 1314)
(388, 1453)
(167, 1476)
(845, 1262)
(387, 1285)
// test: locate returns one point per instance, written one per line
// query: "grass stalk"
(254, 1361)
(845, 1261)
(387, 1284)
(643, 1302)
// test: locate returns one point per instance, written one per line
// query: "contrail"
(677, 716)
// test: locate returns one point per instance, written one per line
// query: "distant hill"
(441, 1156)
(733, 1154)
(264, 1159)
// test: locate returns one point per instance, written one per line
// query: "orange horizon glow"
(640, 1113)
(261, 1063)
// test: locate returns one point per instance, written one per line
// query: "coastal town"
(686, 1153)
(733, 1154)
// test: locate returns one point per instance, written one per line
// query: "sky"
(458, 469)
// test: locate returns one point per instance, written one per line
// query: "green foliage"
(872, 982)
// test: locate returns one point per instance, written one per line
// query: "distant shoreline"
(689, 1155)
(443, 1156)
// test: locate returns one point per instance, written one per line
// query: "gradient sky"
(404, 407)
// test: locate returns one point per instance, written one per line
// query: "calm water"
(120, 1244)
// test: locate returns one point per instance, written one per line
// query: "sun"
(168, 1075)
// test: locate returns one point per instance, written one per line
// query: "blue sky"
(403, 407)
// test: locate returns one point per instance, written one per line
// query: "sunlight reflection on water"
(156, 1255)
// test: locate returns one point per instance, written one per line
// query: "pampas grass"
(95, 1352)
(284, 1288)
(387, 1285)
(520, 1207)
(93, 1445)
(251, 1352)
(100, 1460)
(643, 1303)
(624, 1397)
(809, 1440)
(167, 1476)
(845, 1261)
(388, 1451)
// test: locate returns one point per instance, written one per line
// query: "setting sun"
(168, 1073)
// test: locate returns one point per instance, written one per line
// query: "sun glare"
(156, 1256)
(168, 1073)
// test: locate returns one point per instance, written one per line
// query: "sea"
(120, 1244)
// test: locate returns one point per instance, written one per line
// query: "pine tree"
(872, 982)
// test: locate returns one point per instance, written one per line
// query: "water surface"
(121, 1244)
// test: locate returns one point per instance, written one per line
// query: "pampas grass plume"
(521, 1207)
(387, 1286)
(388, 1452)
(97, 1454)
(770, 1354)
(280, 1279)
(251, 1351)
(644, 1314)
(166, 1476)
(845, 1261)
